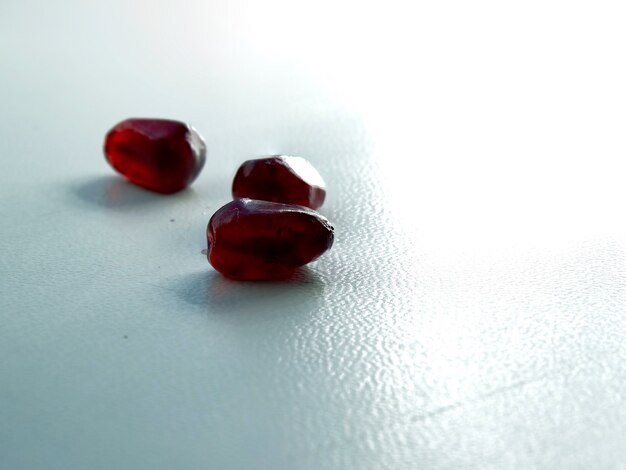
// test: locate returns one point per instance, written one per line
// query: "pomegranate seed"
(157, 154)
(259, 240)
(280, 178)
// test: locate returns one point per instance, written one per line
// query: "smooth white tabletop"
(471, 315)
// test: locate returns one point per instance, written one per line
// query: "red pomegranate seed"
(280, 178)
(259, 240)
(157, 154)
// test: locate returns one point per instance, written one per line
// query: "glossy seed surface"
(280, 178)
(259, 240)
(160, 155)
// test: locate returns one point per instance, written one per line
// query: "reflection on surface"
(219, 295)
(113, 192)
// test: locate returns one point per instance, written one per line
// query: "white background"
(471, 314)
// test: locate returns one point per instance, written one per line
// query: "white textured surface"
(471, 314)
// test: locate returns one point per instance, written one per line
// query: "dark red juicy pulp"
(155, 154)
(272, 179)
(260, 240)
